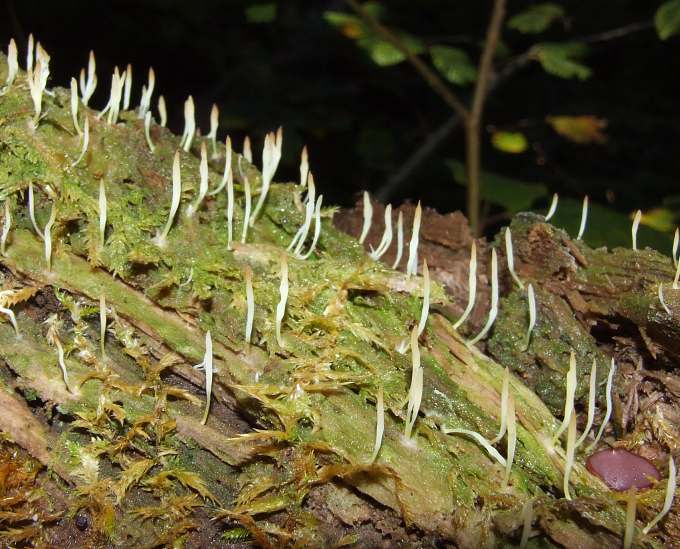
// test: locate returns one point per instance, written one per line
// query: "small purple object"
(621, 469)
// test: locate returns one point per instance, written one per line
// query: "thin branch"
(431, 77)
(473, 152)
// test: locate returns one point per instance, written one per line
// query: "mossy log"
(123, 435)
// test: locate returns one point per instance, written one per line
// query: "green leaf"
(667, 19)
(384, 53)
(536, 19)
(509, 142)
(512, 194)
(261, 13)
(561, 59)
(454, 64)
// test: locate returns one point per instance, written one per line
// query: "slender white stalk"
(162, 111)
(160, 240)
(246, 209)
(281, 307)
(676, 280)
(208, 366)
(527, 518)
(9, 313)
(214, 124)
(512, 438)
(250, 303)
(608, 406)
(531, 299)
(676, 243)
(147, 131)
(569, 461)
(668, 500)
(301, 235)
(147, 92)
(102, 213)
(230, 199)
(415, 393)
(102, 325)
(511, 258)
(227, 175)
(400, 239)
(425, 311)
(112, 108)
(368, 217)
(304, 166)
(634, 228)
(662, 300)
(505, 392)
(203, 184)
(247, 150)
(48, 236)
(189, 124)
(317, 227)
(31, 211)
(493, 311)
(569, 397)
(87, 87)
(6, 226)
(61, 361)
(271, 156)
(412, 263)
(481, 441)
(386, 239)
(584, 218)
(128, 87)
(472, 286)
(37, 81)
(12, 63)
(30, 55)
(379, 424)
(591, 404)
(74, 105)
(631, 509)
(553, 207)
(85, 142)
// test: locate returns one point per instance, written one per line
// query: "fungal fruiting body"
(207, 365)
(608, 405)
(86, 142)
(301, 235)
(53, 339)
(480, 440)
(102, 213)
(161, 239)
(203, 182)
(147, 92)
(247, 150)
(317, 227)
(426, 299)
(662, 300)
(214, 124)
(87, 86)
(271, 156)
(102, 325)
(31, 211)
(379, 424)
(531, 300)
(569, 461)
(592, 392)
(74, 105)
(527, 519)
(9, 313)
(634, 228)
(281, 307)
(48, 236)
(472, 286)
(584, 218)
(368, 218)
(386, 239)
(400, 240)
(553, 207)
(412, 264)
(6, 226)
(505, 394)
(37, 78)
(493, 311)
(304, 167)
(415, 392)
(246, 209)
(512, 438)
(147, 131)
(569, 397)
(112, 108)
(668, 499)
(162, 111)
(12, 64)
(228, 173)
(510, 258)
(189, 124)
(631, 508)
(250, 303)
(676, 280)
(676, 243)
(127, 90)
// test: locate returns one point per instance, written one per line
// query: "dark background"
(361, 121)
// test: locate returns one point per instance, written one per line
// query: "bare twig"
(473, 121)
(431, 77)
